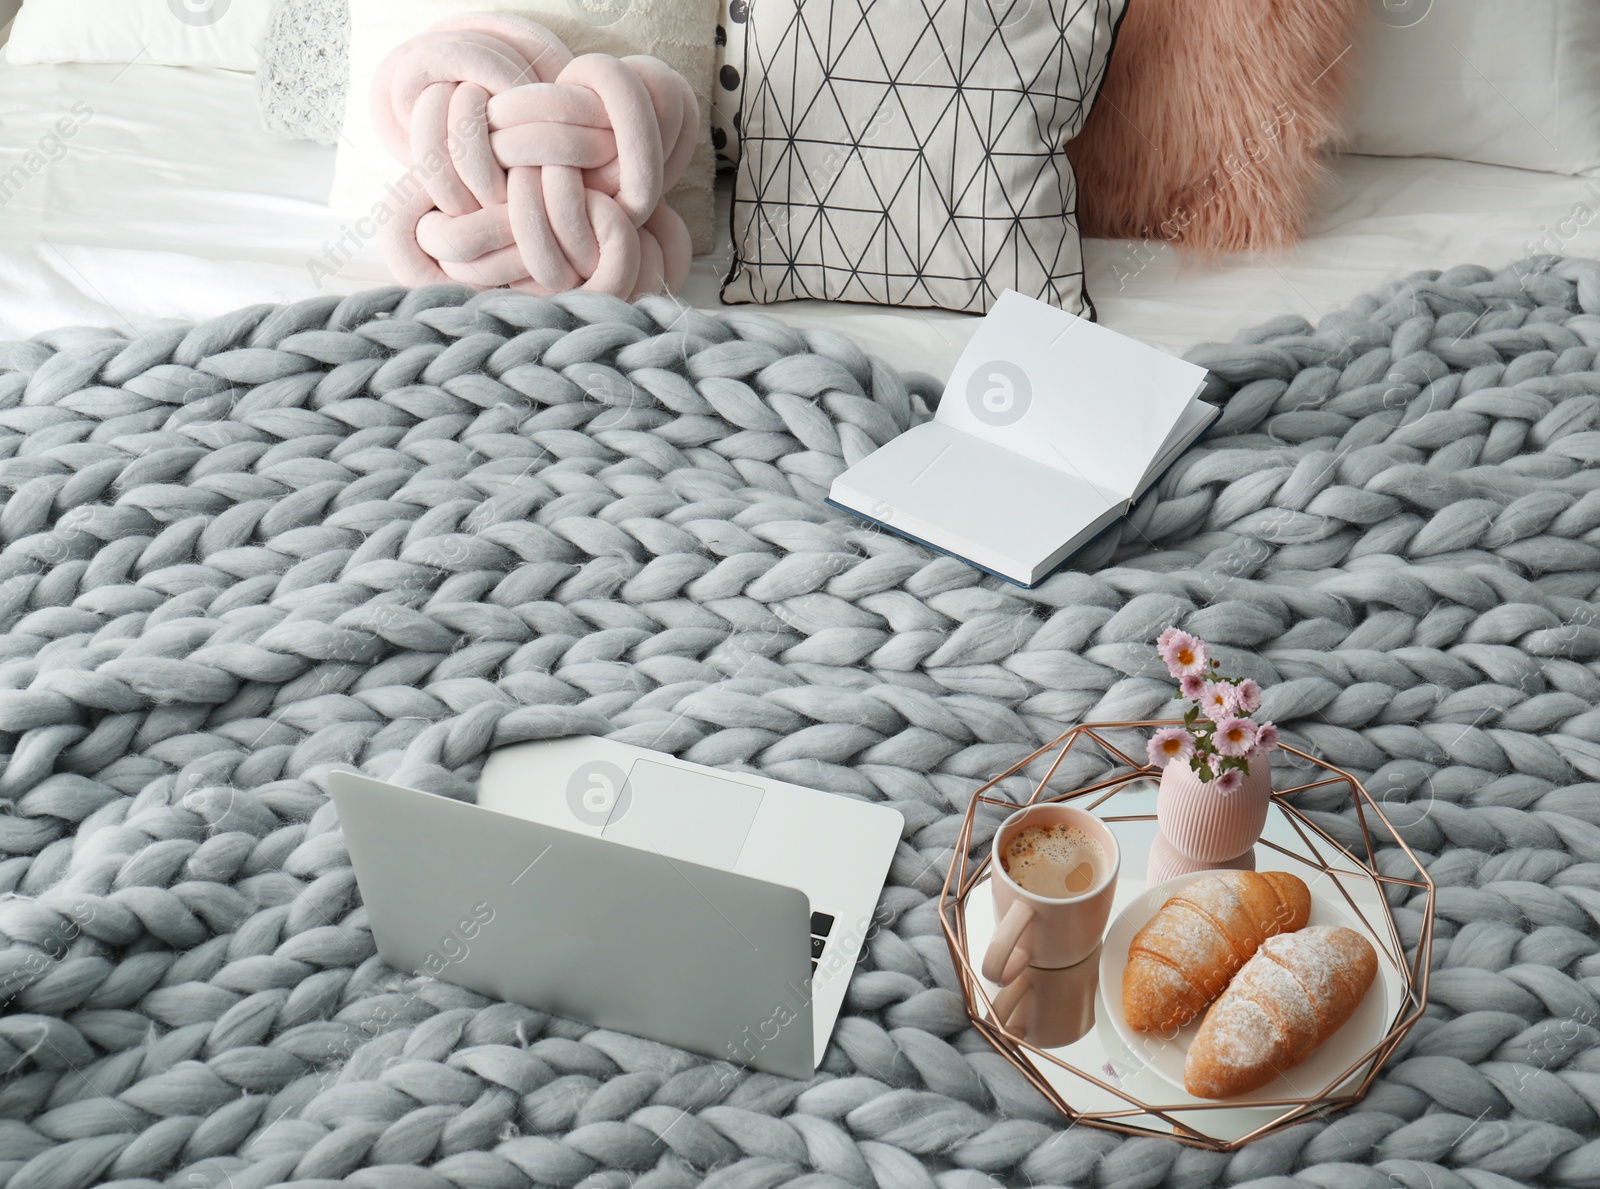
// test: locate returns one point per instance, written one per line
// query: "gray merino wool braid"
(397, 529)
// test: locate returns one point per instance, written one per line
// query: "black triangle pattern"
(909, 152)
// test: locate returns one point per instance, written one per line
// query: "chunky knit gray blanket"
(401, 528)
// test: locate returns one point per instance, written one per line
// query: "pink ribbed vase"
(1211, 826)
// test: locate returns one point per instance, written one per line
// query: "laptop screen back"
(618, 936)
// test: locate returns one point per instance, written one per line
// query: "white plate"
(1163, 1053)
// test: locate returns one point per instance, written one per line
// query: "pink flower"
(1216, 700)
(1169, 744)
(1247, 696)
(1235, 736)
(1191, 685)
(1266, 739)
(1229, 781)
(1183, 653)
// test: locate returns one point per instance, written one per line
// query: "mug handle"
(1012, 1001)
(1008, 954)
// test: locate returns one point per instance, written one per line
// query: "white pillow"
(1505, 83)
(225, 33)
(679, 32)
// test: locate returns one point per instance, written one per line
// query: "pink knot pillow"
(529, 167)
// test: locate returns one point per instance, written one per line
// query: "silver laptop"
(719, 912)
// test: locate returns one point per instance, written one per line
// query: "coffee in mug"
(1055, 859)
(1054, 877)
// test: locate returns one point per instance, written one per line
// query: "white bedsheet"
(170, 201)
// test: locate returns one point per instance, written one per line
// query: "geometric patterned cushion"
(910, 154)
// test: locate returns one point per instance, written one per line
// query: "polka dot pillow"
(729, 82)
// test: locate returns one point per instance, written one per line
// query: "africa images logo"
(1400, 14)
(598, 793)
(999, 393)
(199, 12)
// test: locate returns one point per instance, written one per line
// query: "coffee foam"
(1044, 858)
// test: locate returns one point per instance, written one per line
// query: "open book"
(1050, 428)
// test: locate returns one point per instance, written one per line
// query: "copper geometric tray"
(1093, 1078)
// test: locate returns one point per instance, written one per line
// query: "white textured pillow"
(305, 67)
(679, 32)
(225, 33)
(1513, 83)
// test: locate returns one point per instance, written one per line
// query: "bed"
(187, 982)
(171, 201)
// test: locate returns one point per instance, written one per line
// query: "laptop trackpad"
(684, 815)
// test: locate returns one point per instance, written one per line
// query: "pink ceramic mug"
(1047, 931)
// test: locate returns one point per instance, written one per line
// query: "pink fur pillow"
(1211, 124)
